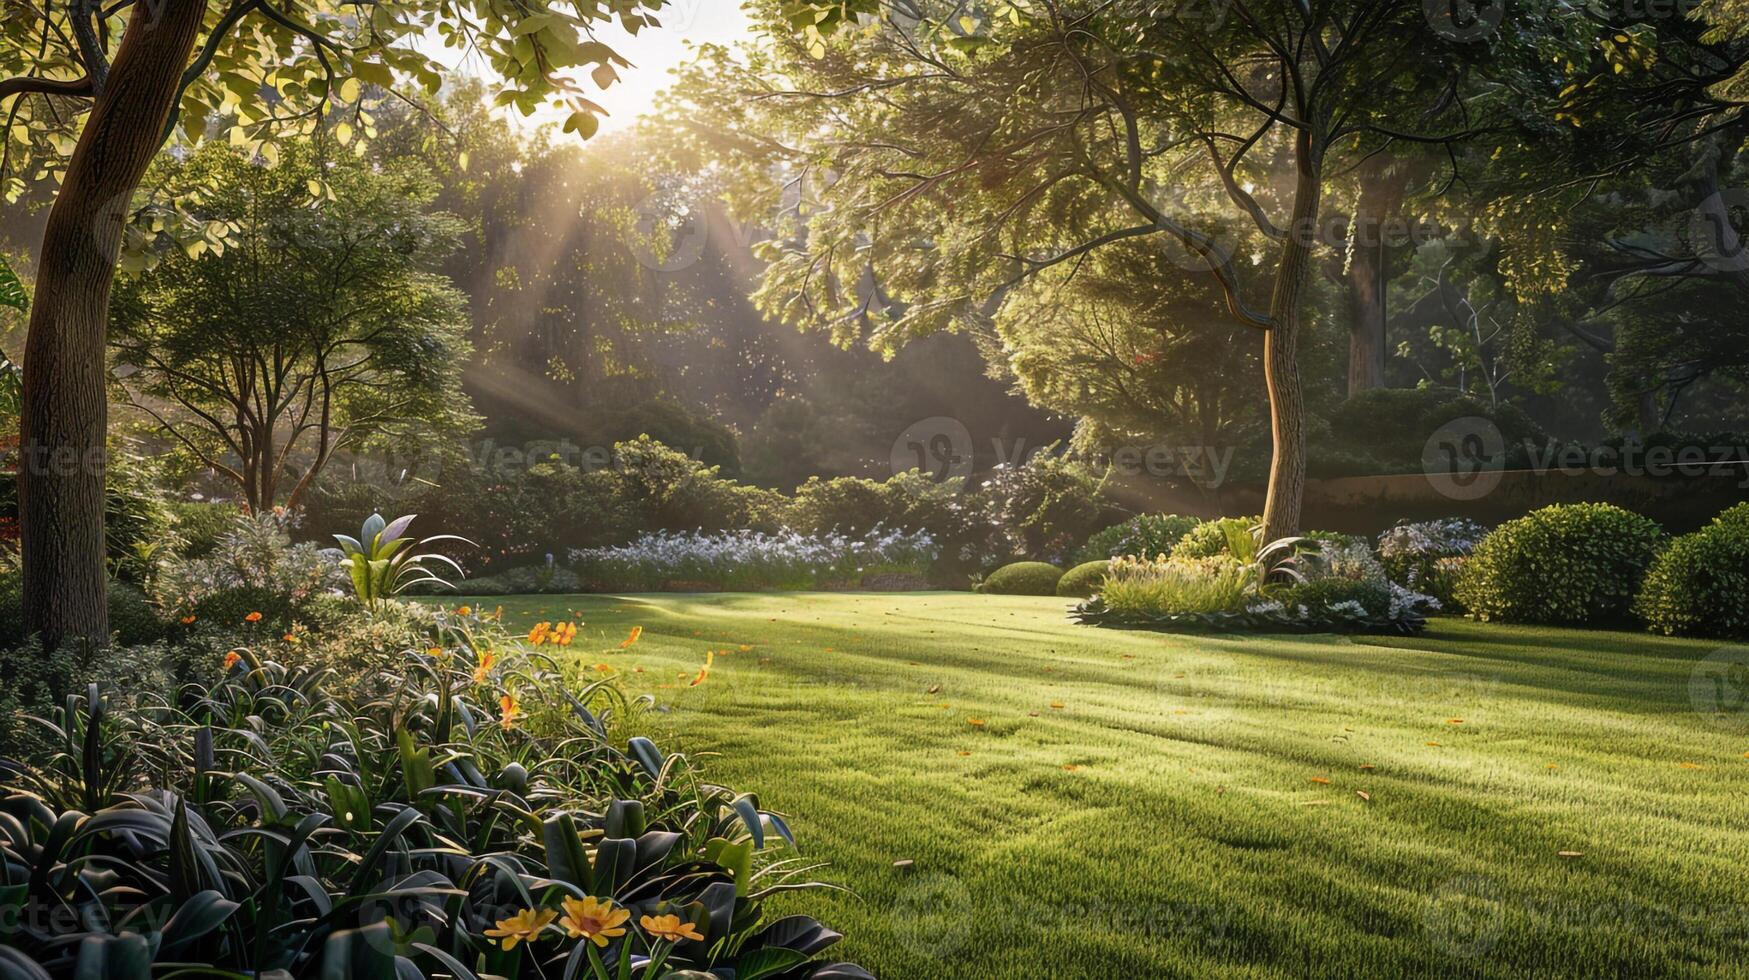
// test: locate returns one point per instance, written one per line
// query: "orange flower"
(670, 927)
(593, 919)
(637, 631)
(704, 671)
(253, 617)
(188, 620)
(231, 659)
(562, 634)
(289, 638)
(482, 668)
(509, 709)
(538, 635)
(464, 610)
(498, 614)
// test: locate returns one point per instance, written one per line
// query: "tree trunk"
(1281, 359)
(1369, 274)
(65, 412)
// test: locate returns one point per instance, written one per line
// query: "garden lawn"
(1078, 802)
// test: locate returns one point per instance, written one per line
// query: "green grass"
(1170, 819)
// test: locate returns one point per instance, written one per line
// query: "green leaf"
(12, 292)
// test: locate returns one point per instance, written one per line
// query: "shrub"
(1084, 579)
(851, 505)
(751, 560)
(1428, 555)
(1209, 538)
(133, 618)
(1699, 586)
(1146, 535)
(1322, 596)
(198, 525)
(1023, 578)
(253, 567)
(408, 839)
(1044, 507)
(1563, 564)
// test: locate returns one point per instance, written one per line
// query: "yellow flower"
(509, 709)
(524, 926)
(231, 659)
(637, 631)
(563, 634)
(538, 635)
(253, 617)
(669, 927)
(484, 666)
(593, 919)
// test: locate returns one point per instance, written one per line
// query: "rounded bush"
(132, 617)
(1084, 579)
(1144, 535)
(1577, 564)
(1208, 539)
(1024, 578)
(1699, 586)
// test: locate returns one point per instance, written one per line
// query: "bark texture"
(65, 412)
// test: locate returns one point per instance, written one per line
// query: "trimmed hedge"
(1084, 579)
(1699, 586)
(1566, 564)
(1024, 578)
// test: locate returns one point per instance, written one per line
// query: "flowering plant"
(752, 560)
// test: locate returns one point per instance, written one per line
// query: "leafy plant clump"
(1145, 535)
(1428, 556)
(1023, 578)
(1084, 580)
(470, 818)
(1566, 564)
(1699, 586)
(382, 562)
(1210, 538)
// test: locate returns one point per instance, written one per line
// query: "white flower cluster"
(1350, 560)
(785, 559)
(1440, 538)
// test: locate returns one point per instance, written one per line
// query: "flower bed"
(462, 814)
(752, 561)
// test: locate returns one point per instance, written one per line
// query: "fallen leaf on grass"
(933, 688)
(1367, 767)
(1691, 765)
(1454, 721)
(1363, 794)
(965, 753)
(975, 722)
(1569, 854)
(1070, 766)
(1433, 745)
(1321, 780)
(1058, 705)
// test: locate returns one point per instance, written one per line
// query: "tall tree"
(312, 322)
(947, 153)
(91, 91)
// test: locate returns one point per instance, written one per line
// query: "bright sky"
(652, 53)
